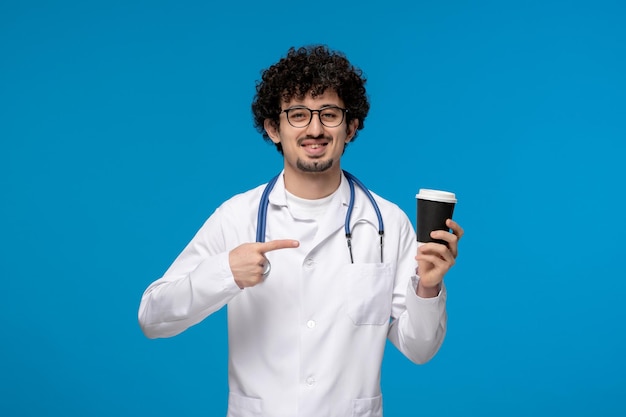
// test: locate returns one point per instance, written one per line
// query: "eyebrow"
(302, 106)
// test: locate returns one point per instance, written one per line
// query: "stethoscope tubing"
(261, 220)
(264, 203)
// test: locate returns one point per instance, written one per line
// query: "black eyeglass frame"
(319, 114)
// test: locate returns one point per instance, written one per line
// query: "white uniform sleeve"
(418, 324)
(197, 284)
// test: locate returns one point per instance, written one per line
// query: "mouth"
(314, 147)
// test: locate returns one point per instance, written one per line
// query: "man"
(309, 311)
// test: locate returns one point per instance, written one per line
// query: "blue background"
(123, 124)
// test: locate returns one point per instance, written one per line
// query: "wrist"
(427, 292)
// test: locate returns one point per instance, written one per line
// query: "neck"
(312, 185)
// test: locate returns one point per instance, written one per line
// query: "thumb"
(278, 244)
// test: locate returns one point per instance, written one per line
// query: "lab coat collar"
(277, 195)
(336, 214)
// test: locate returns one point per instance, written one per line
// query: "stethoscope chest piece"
(268, 268)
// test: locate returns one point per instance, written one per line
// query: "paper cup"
(434, 207)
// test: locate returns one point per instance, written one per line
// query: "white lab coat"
(309, 340)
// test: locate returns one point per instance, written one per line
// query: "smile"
(314, 143)
(314, 148)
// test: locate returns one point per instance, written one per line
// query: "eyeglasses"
(331, 116)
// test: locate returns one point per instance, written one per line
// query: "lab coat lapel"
(335, 217)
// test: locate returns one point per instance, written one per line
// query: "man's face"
(315, 148)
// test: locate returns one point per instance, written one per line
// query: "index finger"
(456, 228)
(278, 244)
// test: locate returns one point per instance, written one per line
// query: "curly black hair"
(312, 69)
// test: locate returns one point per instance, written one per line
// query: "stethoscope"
(352, 180)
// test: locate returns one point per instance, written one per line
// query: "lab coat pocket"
(368, 407)
(368, 293)
(242, 406)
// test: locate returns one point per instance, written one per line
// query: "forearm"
(174, 303)
(419, 331)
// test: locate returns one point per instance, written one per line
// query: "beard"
(314, 166)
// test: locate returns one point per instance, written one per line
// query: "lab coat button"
(309, 263)
(310, 381)
(310, 324)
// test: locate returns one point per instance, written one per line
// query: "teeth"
(314, 145)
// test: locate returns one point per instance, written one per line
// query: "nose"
(315, 128)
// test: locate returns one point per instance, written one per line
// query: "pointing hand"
(248, 262)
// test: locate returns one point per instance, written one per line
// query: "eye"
(331, 114)
(298, 114)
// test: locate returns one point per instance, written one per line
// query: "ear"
(352, 127)
(272, 130)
